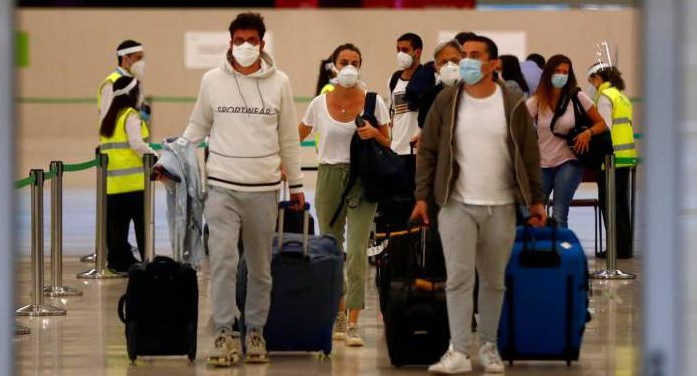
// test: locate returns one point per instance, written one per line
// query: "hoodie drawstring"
(263, 104)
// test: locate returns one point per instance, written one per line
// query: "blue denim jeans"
(563, 180)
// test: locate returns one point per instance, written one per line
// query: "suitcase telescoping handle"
(282, 207)
(533, 258)
(422, 230)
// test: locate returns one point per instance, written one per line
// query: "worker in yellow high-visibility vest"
(123, 136)
(131, 63)
(616, 110)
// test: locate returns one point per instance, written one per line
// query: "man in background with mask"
(131, 63)
(407, 86)
(476, 175)
(246, 108)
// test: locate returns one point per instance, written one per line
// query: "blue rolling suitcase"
(545, 308)
(308, 273)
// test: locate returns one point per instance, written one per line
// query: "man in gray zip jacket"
(478, 157)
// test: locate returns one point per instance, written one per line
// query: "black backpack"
(381, 170)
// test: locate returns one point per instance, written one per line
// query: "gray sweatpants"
(255, 213)
(480, 236)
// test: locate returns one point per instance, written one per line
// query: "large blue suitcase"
(306, 290)
(546, 302)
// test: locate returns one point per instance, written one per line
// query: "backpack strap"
(559, 111)
(371, 99)
(393, 80)
(354, 171)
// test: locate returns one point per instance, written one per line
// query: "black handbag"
(600, 144)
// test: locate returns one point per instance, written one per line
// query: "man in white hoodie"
(246, 107)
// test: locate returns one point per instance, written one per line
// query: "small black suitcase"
(160, 309)
(413, 302)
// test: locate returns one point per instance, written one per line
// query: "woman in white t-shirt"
(333, 116)
(561, 170)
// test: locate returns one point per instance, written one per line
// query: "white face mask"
(246, 54)
(404, 60)
(348, 76)
(450, 74)
(138, 69)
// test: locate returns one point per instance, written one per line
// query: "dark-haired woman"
(561, 170)
(123, 138)
(616, 109)
(333, 114)
(512, 74)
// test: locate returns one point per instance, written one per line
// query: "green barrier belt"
(21, 183)
(308, 144)
(155, 146)
(634, 161)
(48, 175)
(93, 100)
(80, 166)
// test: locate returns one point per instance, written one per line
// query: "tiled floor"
(89, 340)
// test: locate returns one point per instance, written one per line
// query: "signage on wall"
(508, 42)
(206, 49)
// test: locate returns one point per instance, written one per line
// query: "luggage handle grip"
(282, 207)
(531, 258)
(121, 309)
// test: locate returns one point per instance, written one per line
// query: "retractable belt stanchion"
(611, 271)
(93, 256)
(148, 163)
(100, 270)
(38, 308)
(57, 289)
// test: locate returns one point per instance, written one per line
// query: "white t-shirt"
(481, 151)
(554, 150)
(405, 124)
(335, 136)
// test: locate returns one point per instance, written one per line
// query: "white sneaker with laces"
(224, 352)
(353, 337)
(490, 359)
(452, 363)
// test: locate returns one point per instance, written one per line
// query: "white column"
(7, 156)
(663, 254)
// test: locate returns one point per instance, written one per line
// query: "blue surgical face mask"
(559, 80)
(471, 71)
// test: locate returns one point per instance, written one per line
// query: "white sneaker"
(353, 337)
(452, 363)
(224, 352)
(490, 359)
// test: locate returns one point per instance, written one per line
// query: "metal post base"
(21, 330)
(58, 291)
(88, 258)
(612, 274)
(101, 274)
(40, 310)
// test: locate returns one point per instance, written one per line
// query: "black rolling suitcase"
(414, 306)
(160, 309)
